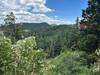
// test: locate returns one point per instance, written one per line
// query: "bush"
(22, 58)
(68, 63)
(5, 54)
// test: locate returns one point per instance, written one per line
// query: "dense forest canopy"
(45, 49)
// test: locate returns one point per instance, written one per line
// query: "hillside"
(52, 39)
(68, 63)
(36, 27)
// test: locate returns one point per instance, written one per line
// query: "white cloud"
(38, 18)
(24, 9)
(25, 5)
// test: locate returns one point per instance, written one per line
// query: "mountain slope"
(36, 27)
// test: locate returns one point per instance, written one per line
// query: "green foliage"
(10, 19)
(88, 43)
(68, 63)
(90, 33)
(11, 29)
(5, 53)
(22, 58)
(91, 22)
(57, 38)
(52, 39)
(96, 67)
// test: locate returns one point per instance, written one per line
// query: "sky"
(50, 11)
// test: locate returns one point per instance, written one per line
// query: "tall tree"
(77, 23)
(11, 29)
(91, 25)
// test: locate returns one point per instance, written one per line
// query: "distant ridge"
(36, 27)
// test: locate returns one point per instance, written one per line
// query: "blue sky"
(50, 11)
(67, 9)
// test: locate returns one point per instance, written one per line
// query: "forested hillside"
(50, 49)
(52, 39)
(36, 27)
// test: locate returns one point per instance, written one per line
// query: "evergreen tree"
(11, 29)
(10, 19)
(91, 23)
(77, 23)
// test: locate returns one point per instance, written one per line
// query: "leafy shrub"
(96, 67)
(5, 53)
(22, 58)
(68, 63)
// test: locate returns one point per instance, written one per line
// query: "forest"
(44, 49)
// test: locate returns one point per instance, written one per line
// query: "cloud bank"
(25, 10)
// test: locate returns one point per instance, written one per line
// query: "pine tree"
(77, 23)
(10, 19)
(91, 23)
(12, 29)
